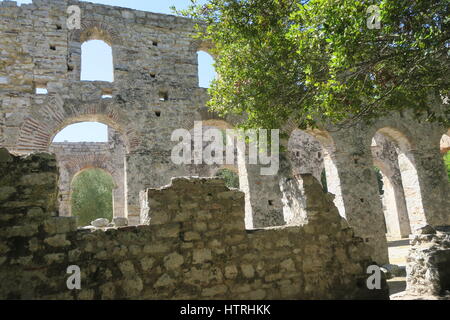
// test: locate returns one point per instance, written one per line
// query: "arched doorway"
(90, 145)
(91, 196)
(312, 152)
(402, 199)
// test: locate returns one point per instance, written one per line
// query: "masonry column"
(433, 183)
(359, 191)
(263, 204)
(117, 147)
(386, 155)
(396, 214)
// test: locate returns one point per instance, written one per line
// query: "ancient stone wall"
(428, 264)
(155, 91)
(195, 246)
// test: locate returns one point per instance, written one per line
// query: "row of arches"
(394, 166)
(314, 151)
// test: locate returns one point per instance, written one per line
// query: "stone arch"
(330, 165)
(78, 164)
(90, 30)
(39, 129)
(93, 30)
(74, 157)
(206, 71)
(393, 199)
(394, 156)
(203, 45)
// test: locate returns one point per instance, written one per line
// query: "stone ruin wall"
(194, 247)
(428, 262)
(154, 55)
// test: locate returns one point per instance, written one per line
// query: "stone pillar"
(117, 149)
(396, 214)
(386, 157)
(359, 190)
(263, 204)
(65, 179)
(333, 180)
(432, 185)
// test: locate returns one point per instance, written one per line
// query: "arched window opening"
(92, 196)
(83, 132)
(206, 72)
(96, 61)
(90, 145)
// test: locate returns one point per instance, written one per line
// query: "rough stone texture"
(195, 247)
(428, 262)
(155, 56)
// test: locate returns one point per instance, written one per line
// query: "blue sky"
(96, 65)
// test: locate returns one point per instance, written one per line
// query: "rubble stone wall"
(428, 262)
(194, 247)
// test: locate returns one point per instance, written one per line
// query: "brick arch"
(203, 45)
(78, 164)
(39, 129)
(72, 162)
(94, 30)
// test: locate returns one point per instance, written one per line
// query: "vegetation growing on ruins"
(447, 164)
(231, 178)
(318, 59)
(92, 196)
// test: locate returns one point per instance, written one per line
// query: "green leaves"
(231, 178)
(447, 164)
(318, 61)
(92, 196)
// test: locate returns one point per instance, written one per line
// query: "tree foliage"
(230, 177)
(447, 164)
(92, 196)
(317, 60)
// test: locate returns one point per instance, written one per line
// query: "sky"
(96, 65)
